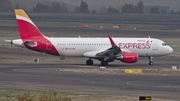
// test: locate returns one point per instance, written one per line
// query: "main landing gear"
(90, 62)
(104, 63)
(151, 63)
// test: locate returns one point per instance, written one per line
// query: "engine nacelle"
(129, 57)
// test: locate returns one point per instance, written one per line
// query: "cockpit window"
(163, 44)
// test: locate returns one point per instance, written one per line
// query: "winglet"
(20, 12)
(111, 41)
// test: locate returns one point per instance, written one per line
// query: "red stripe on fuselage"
(29, 32)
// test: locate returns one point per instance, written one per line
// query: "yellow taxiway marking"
(133, 71)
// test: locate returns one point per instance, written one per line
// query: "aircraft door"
(155, 46)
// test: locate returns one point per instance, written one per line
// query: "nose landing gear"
(151, 63)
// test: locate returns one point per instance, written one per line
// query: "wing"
(113, 52)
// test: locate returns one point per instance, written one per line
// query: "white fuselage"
(141, 46)
(144, 47)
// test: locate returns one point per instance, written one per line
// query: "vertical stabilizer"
(26, 27)
(31, 37)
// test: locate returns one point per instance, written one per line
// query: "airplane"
(106, 50)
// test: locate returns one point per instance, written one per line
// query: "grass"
(4, 58)
(16, 91)
(14, 60)
(16, 94)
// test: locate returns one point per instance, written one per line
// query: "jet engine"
(129, 57)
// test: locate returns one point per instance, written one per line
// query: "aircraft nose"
(170, 50)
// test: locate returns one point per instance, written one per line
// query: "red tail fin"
(31, 36)
(27, 28)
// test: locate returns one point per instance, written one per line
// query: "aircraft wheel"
(89, 62)
(151, 63)
(104, 63)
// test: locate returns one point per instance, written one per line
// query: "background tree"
(76, 9)
(93, 11)
(178, 12)
(112, 10)
(140, 7)
(84, 7)
(55, 7)
(103, 10)
(171, 12)
(163, 11)
(128, 8)
(65, 8)
(6, 6)
(41, 8)
(154, 11)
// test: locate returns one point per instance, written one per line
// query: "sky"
(173, 4)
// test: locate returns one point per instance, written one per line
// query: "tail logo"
(31, 36)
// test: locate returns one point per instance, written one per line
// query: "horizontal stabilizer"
(10, 41)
